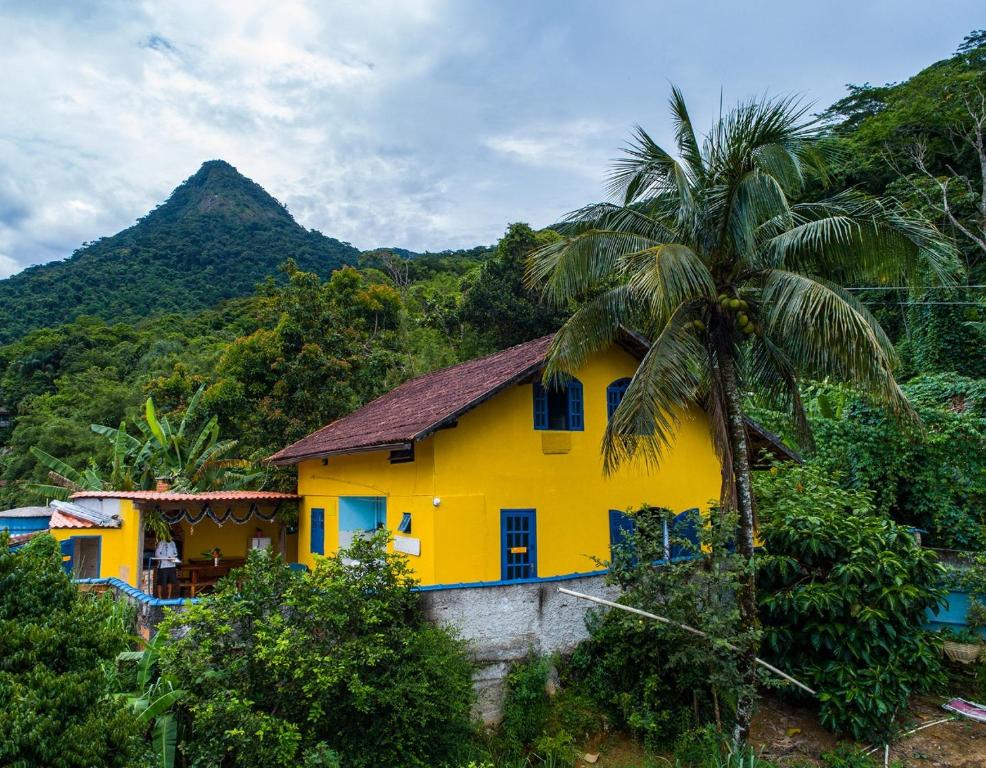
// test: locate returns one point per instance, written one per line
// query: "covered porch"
(115, 534)
(213, 534)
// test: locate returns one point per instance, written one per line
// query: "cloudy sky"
(426, 124)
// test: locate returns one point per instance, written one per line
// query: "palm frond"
(646, 170)
(592, 327)
(852, 238)
(665, 385)
(823, 334)
(575, 266)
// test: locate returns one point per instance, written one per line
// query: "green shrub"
(845, 756)
(932, 477)
(56, 651)
(705, 748)
(526, 705)
(843, 596)
(655, 679)
(282, 667)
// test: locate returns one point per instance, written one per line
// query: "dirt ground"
(791, 736)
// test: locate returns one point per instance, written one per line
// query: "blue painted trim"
(157, 601)
(139, 595)
(534, 580)
(502, 583)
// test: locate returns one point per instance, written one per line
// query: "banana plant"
(193, 460)
(153, 701)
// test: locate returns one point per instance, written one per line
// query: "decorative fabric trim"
(194, 518)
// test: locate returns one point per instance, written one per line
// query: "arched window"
(614, 394)
(560, 406)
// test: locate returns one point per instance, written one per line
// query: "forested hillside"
(215, 238)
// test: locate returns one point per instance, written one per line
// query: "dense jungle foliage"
(58, 645)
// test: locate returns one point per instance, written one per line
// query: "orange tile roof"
(60, 519)
(167, 496)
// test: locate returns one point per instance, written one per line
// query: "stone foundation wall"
(503, 623)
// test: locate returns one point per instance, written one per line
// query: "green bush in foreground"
(56, 649)
(843, 596)
(283, 668)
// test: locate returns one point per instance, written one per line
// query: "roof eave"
(286, 461)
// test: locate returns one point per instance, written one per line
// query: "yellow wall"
(119, 547)
(495, 459)
(232, 539)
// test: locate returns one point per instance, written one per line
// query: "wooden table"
(203, 574)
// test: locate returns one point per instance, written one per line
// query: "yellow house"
(483, 475)
(103, 536)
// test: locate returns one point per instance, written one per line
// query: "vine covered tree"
(710, 253)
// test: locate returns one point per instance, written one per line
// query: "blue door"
(318, 531)
(518, 543)
(621, 526)
(68, 549)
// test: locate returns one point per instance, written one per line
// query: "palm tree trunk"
(747, 595)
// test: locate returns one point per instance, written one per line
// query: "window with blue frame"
(614, 395)
(559, 406)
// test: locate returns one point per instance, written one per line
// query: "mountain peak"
(217, 188)
(215, 237)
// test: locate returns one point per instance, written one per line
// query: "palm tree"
(709, 254)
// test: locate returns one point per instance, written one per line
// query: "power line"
(915, 287)
(928, 303)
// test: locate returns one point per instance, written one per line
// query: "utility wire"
(927, 303)
(914, 287)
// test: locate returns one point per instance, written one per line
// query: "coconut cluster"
(740, 309)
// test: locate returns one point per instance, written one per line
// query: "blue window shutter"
(621, 526)
(540, 406)
(684, 528)
(614, 395)
(576, 420)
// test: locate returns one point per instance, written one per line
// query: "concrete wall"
(502, 624)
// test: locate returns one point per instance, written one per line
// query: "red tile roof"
(166, 496)
(60, 519)
(418, 407)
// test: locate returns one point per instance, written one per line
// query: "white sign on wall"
(407, 545)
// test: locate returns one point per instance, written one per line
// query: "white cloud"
(8, 266)
(421, 123)
(578, 146)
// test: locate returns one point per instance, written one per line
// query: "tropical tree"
(191, 459)
(710, 254)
